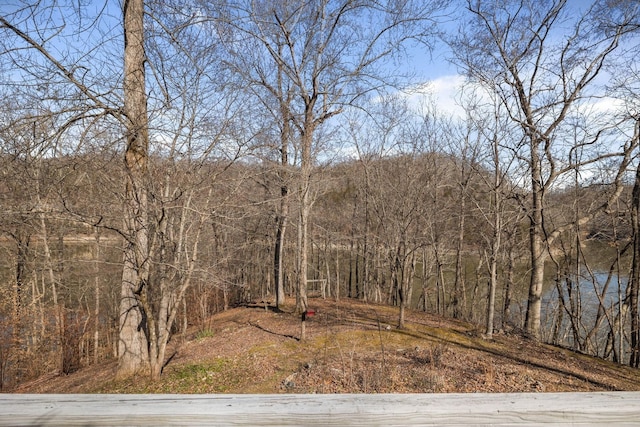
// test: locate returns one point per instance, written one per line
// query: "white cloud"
(447, 92)
(607, 105)
(443, 92)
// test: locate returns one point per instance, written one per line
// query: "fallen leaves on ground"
(351, 347)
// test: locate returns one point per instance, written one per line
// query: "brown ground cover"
(351, 347)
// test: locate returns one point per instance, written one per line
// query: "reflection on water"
(584, 314)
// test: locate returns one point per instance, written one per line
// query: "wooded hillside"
(171, 160)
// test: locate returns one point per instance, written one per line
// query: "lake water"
(584, 297)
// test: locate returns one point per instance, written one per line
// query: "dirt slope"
(352, 347)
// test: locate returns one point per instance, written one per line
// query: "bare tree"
(626, 87)
(394, 145)
(327, 55)
(494, 169)
(187, 119)
(133, 347)
(634, 280)
(542, 70)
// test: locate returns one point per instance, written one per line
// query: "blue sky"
(432, 67)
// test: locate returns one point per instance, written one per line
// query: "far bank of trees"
(165, 161)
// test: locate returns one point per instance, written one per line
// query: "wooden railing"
(531, 409)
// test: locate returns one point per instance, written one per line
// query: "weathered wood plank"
(576, 409)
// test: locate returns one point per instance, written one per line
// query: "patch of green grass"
(213, 376)
(209, 377)
(204, 333)
(200, 370)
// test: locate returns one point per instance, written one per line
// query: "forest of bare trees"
(164, 160)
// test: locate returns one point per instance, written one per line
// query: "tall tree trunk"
(22, 247)
(537, 246)
(301, 300)
(425, 282)
(173, 292)
(408, 275)
(634, 280)
(305, 210)
(350, 281)
(459, 287)
(337, 290)
(357, 271)
(326, 285)
(133, 353)
(441, 303)
(403, 268)
(96, 312)
(559, 317)
(508, 285)
(279, 248)
(283, 216)
(48, 265)
(365, 249)
(396, 292)
(493, 267)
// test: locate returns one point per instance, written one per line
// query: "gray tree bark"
(133, 353)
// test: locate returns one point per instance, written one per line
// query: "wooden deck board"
(576, 409)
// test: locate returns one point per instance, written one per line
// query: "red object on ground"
(310, 313)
